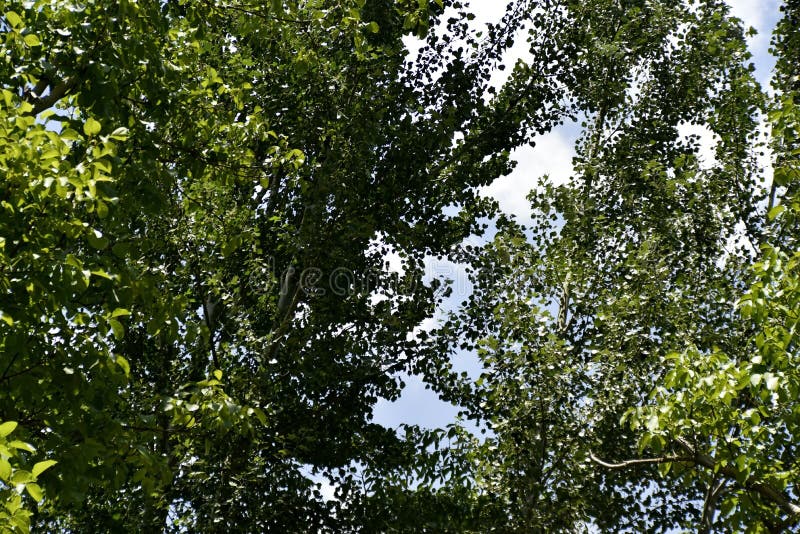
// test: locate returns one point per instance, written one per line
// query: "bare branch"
(638, 461)
(715, 487)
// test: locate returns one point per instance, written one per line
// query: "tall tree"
(731, 415)
(642, 253)
(197, 201)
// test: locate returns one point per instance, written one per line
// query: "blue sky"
(552, 155)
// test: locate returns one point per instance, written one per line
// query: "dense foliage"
(197, 318)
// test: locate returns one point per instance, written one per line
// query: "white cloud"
(707, 142)
(761, 15)
(756, 13)
(552, 155)
(392, 260)
(487, 10)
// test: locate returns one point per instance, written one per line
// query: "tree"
(732, 416)
(197, 200)
(643, 254)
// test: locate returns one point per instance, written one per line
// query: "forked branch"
(697, 458)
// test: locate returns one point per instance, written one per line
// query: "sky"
(551, 155)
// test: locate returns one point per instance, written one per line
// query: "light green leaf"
(41, 467)
(774, 212)
(68, 134)
(21, 520)
(21, 445)
(32, 40)
(35, 491)
(13, 503)
(13, 19)
(117, 328)
(123, 363)
(5, 469)
(119, 134)
(21, 476)
(7, 428)
(91, 127)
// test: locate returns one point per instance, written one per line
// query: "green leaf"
(231, 245)
(97, 240)
(121, 249)
(7, 428)
(117, 328)
(32, 40)
(663, 469)
(14, 20)
(91, 127)
(42, 466)
(123, 363)
(72, 260)
(6, 318)
(260, 415)
(774, 212)
(102, 209)
(102, 274)
(652, 423)
(34, 491)
(21, 445)
(5, 469)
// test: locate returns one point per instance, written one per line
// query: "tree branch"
(57, 92)
(638, 461)
(763, 489)
(693, 456)
(211, 327)
(715, 487)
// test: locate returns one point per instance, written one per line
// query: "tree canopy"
(197, 318)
